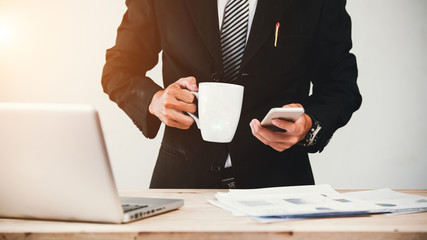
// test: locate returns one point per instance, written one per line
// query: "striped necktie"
(233, 37)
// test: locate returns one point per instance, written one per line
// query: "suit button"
(244, 75)
(215, 168)
(215, 77)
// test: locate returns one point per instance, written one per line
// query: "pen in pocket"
(276, 34)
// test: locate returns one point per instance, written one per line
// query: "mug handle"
(196, 119)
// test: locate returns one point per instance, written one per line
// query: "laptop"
(54, 165)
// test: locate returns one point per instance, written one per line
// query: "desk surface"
(197, 219)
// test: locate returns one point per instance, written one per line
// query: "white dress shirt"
(221, 9)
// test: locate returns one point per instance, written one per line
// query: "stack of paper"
(391, 201)
(314, 201)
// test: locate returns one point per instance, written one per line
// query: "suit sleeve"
(135, 52)
(335, 92)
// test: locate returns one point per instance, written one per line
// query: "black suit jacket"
(313, 47)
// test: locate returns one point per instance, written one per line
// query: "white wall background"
(53, 51)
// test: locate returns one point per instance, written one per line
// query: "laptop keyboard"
(129, 207)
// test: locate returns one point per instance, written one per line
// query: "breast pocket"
(283, 60)
(291, 50)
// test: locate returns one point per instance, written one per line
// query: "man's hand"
(170, 104)
(280, 141)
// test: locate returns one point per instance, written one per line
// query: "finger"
(188, 107)
(178, 119)
(185, 96)
(179, 105)
(269, 137)
(189, 83)
(281, 139)
(278, 146)
(268, 134)
(289, 126)
(292, 105)
(257, 135)
(178, 116)
(174, 92)
(183, 106)
(283, 143)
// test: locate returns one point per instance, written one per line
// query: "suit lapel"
(263, 25)
(205, 16)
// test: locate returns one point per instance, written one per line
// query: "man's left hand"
(280, 141)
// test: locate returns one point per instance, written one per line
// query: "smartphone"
(288, 114)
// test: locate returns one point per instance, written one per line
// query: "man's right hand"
(170, 104)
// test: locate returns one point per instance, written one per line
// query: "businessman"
(276, 49)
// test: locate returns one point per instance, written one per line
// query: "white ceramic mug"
(219, 107)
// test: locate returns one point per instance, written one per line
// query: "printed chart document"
(314, 201)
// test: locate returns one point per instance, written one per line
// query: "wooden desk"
(200, 220)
